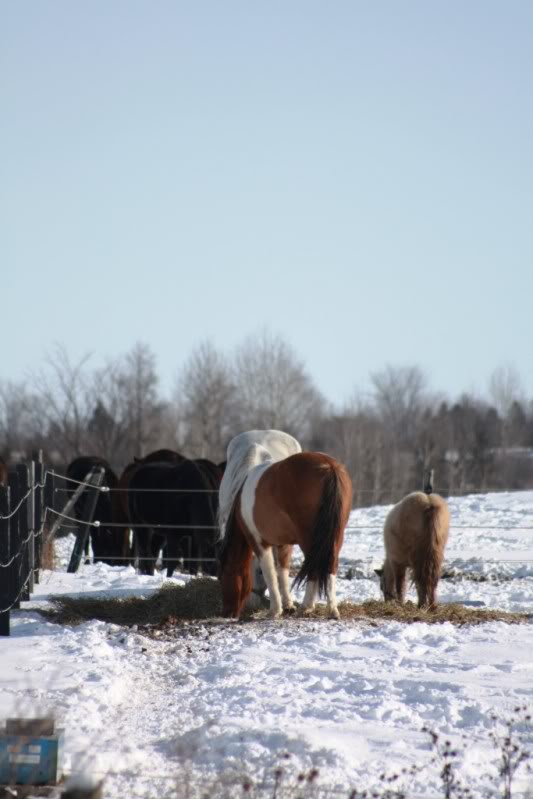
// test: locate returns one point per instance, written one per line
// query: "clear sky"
(355, 175)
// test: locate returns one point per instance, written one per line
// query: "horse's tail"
(327, 533)
(430, 554)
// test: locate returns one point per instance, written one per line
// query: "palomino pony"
(415, 535)
(302, 499)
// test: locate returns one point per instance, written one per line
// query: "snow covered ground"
(349, 698)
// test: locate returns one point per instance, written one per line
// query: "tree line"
(387, 437)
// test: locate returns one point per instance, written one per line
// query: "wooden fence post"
(95, 480)
(26, 531)
(6, 591)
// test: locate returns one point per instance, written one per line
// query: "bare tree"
(207, 397)
(64, 403)
(505, 388)
(275, 390)
(108, 428)
(400, 398)
(405, 409)
(17, 420)
(137, 381)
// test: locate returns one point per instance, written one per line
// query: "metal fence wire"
(33, 503)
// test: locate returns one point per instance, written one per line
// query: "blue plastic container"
(29, 760)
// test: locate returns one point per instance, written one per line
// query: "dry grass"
(200, 600)
(48, 554)
(408, 613)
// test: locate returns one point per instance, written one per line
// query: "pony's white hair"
(245, 451)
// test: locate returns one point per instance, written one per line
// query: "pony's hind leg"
(283, 560)
(266, 559)
(400, 578)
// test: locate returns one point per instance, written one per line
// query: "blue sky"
(356, 176)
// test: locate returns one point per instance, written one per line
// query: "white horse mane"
(244, 452)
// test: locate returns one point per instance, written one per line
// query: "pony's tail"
(319, 561)
(429, 557)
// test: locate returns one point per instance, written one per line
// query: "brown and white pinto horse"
(304, 499)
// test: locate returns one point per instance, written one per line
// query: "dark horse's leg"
(172, 551)
(145, 545)
(203, 534)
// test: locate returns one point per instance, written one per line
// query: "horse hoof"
(305, 611)
(275, 614)
(334, 613)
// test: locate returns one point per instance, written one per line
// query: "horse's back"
(162, 486)
(297, 482)
(279, 444)
(80, 467)
(284, 497)
(246, 451)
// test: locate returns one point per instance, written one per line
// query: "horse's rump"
(428, 556)
(318, 497)
(415, 536)
(182, 497)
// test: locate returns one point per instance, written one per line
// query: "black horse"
(183, 498)
(3, 472)
(109, 544)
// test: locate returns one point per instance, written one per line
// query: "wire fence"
(38, 500)
(21, 526)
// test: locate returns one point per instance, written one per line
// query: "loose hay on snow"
(200, 599)
(409, 613)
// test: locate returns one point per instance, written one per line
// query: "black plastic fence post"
(26, 531)
(49, 497)
(15, 537)
(38, 472)
(6, 592)
(95, 480)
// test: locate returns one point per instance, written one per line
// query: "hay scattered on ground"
(408, 613)
(200, 600)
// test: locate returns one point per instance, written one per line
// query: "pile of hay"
(200, 600)
(409, 613)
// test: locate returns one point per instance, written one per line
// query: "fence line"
(21, 527)
(31, 534)
(369, 558)
(156, 526)
(24, 514)
(31, 490)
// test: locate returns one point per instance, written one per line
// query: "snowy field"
(226, 700)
